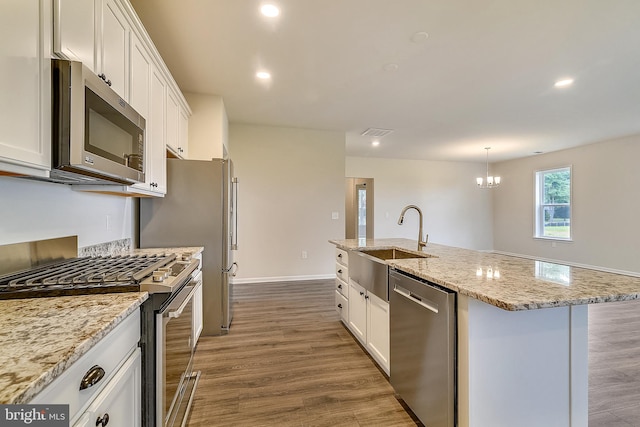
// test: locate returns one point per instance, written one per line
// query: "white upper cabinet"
(113, 47)
(74, 30)
(156, 132)
(108, 37)
(183, 133)
(25, 123)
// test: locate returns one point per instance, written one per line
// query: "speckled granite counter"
(41, 337)
(507, 282)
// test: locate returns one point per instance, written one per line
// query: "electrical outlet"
(335, 215)
(304, 254)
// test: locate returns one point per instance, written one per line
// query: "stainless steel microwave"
(97, 138)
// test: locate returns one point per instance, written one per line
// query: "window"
(553, 204)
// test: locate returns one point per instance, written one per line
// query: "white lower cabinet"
(111, 374)
(119, 403)
(378, 330)
(358, 311)
(369, 322)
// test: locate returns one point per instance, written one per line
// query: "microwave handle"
(173, 314)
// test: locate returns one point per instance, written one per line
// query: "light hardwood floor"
(288, 361)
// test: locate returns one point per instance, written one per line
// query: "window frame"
(538, 226)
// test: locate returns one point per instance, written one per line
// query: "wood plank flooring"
(288, 361)
(614, 364)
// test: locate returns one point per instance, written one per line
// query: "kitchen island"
(522, 338)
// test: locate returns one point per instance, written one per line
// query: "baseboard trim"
(572, 264)
(283, 278)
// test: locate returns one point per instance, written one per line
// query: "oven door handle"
(173, 314)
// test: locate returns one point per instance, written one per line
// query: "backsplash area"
(107, 248)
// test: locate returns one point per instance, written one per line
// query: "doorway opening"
(359, 208)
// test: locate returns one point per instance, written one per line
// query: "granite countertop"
(42, 337)
(508, 282)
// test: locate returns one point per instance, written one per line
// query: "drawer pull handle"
(339, 305)
(93, 376)
(103, 421)
(340, 271)
(339, 286)
(339, 255)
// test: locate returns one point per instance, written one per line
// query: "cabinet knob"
(103, 421)
(366, 297)
(340, 271)
(109, 83)
(339, 255)
(339, 286)
(102, 76)
(361, 293)
(339, 305)
(92, 377)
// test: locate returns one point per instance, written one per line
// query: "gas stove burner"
(83, 276)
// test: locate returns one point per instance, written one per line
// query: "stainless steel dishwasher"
(423, 348)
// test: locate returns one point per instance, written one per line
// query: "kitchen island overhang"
(522, 337)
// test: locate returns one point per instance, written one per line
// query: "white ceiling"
(483, 77)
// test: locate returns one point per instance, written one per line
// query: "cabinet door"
(114, 42)
(156, 134)
(120, 401)
(183, 133)
(25, 85)
(139, 77)
(172, 122)
(378, 330)
(358, 311)
(74, 30)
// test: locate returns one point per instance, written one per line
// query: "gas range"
(159, 273)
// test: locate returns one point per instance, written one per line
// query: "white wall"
(290, 181)
(208, 126)
(32, 210)
(456, 212)
(605, 205)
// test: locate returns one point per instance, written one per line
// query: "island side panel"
(524, 368)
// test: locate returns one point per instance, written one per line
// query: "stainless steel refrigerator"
(199, 209)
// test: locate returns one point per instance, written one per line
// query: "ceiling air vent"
(376, 132)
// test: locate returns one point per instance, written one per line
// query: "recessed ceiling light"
(375, 142)
(263, 75)
(564, 83)
(270, 10)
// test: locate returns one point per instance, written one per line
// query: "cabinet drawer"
(342, 257)
(342, 307)
(120, 401)
(342, 287)
(342, 273)
(109, 353)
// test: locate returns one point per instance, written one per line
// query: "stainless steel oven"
(176, 381)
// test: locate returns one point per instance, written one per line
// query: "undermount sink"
(386, 254)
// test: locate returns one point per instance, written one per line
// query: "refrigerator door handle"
(234, 213)
(227, 270)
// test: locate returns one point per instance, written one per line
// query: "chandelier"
(488, 181)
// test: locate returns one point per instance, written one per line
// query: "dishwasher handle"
(424, 302)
